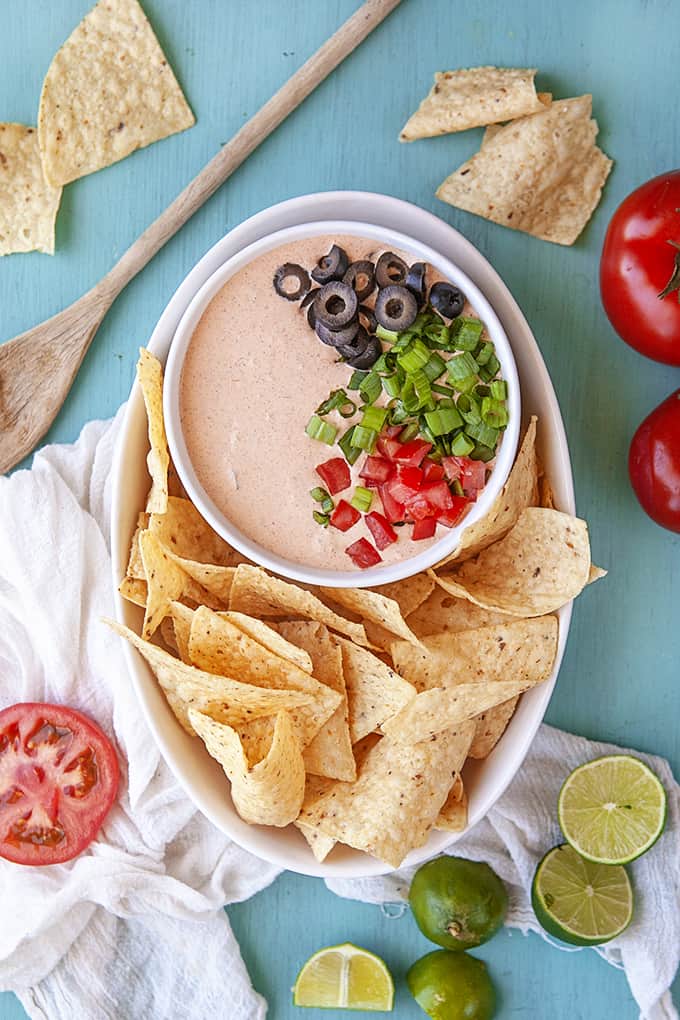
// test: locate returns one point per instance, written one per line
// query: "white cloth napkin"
(134, 927)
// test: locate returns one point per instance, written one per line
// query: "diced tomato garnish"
(411, 476)
(381, 529)
(335, 474)
(363, 554)
(392, 431)
(376, 469)
(432, 472)
(418, 507)
(411, 454)
(453, 467)
(424, 529)
(344, 516)
(398, 489)
(394, 510)
(388, 446)
(438, 495)
(449, 518)
(470, 473)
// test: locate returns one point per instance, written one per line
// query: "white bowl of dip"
(243, 376)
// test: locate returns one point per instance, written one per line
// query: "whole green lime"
(458, 904)
(452, 986)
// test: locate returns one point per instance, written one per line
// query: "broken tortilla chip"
(150, 376)
(490, 727)
(542, 174)
(540, 565)
(256, 592)
(471, 98)
(28, 204)
(374, 690)
(108, 91)
(269, 793)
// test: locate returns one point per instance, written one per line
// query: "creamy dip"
(253, 375)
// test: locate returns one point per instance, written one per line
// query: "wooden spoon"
(38, 367)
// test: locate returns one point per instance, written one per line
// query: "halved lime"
(578, 901)
(612, 809)
(345, 977)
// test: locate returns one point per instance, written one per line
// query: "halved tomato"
(58, 780)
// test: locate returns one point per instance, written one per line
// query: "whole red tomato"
(654, 463)
(640, 269)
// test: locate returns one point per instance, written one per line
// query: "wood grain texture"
(619, 676)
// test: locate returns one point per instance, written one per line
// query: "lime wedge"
(345, 977)
(612, 809)
(579, 902)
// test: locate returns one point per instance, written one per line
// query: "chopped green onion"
(364, 439)
(362, 499)
(443, 420)
(386, 334)
(469, 408)
(356, 380)
(415, 357)
(438, 334)
(403, 343)
(483, 433)
(338, 401)
(462, 366)
(416, 392)
(494, 413)
(409, 431)
(391, 385)
(374, 418)
(444, 391)
(398, 413)
(322, 519)
(483, 352)
(456, 486)
(481, 390)
(328, 506)
(318, 494)
(319, 429)
(352, 453)
(466, 333)
(488, 371)
(499, 389)
(371, 388)
(427, 434)
(482, 452)
(434, 367)
(465, 385)
(461, 445)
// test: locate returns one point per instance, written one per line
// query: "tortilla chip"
(150, 376)
(209, 580)
(320, 845)
(490, 727)
(471, 98)
(454, 813)
(409, 593)
(512, 650)
(164, 579)
(492, 129)
(134, 590)
(184, 532)
(28, 204)
(167, 632)
(108, 91)
(542, 174)
(519, 492)
(540, 565)
(442, 612)
(269, 793)
(273, 641)
(220, 697)
(135, 567)
(374, 690)
(217, 646)
(330, 752)
(259, 594)
(181, 618)
(374, 607)
(596, 573)
(546, 496)
(396, 799)
(435, 711)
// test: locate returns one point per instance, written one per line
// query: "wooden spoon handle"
(259, 127)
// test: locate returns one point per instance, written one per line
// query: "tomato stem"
(674, 282)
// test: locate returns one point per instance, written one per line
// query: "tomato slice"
(449, 518)
(433, 472)
(388, 446)
(376, 469)
(394, 510)
(411, 454)
(344, 516)
(381, 529)
(418, 506)
(58, 780)
(335, 474)
(470, 473)
(424, 529)
(411, 476)
(363, 554)
(438, 495)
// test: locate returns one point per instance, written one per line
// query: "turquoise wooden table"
(619, 678)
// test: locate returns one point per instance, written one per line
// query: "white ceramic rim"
(178, 749)
(387, 573)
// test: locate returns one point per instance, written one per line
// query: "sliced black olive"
(311, 316)
(395, 308)
(446, 299)
(357, 346)
(361, 278)
(390, 269)
(332, 266)
(291, 281)
(369, 356)
(367, 318)
(335, 305)
(415, 281)
(337, 337)
(309, 297)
